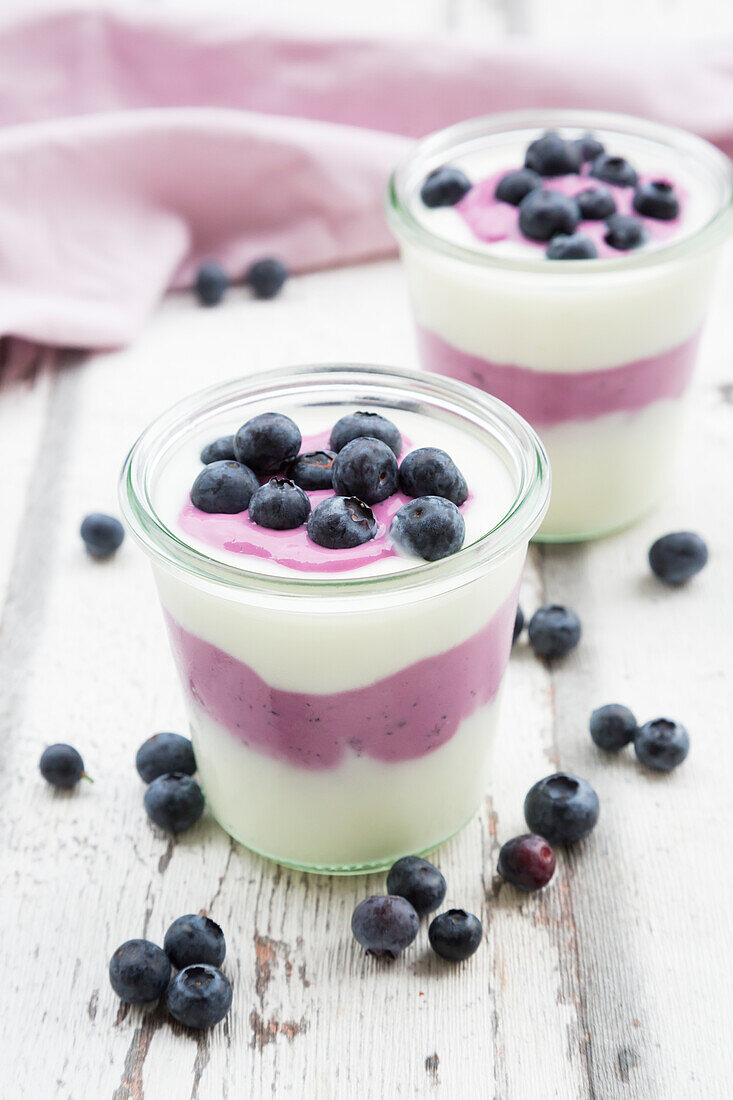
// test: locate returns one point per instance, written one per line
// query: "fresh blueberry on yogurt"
(313, 470)
(513, 187)
(444, 187)
(624, 232)
(657, 199)
(573, 246)
(677, 557)
(224, 488)
(543, 214)
(279, 504)
(340, 523)
(589, 147)
(615, 170)
(359, 424)
(429, 527)
(266, 277)
(551, 155)
(428, 471)
(596, 204)
(366, 468)
(661, 744)
(562, 808)
(267, 442)
(219, 450)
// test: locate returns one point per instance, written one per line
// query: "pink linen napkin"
(133, 148)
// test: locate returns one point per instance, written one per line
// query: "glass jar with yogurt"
(586, 320)
(343, 703)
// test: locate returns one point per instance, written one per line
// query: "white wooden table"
(614, 982)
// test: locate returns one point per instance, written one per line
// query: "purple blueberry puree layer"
(491, 220)
(401, 717)
(548, 398)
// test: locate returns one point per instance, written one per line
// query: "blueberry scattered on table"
(385, 925)
(429, 527)
(62, 766)
(268, 442)
(163, 753)
(554, 630)
(552, 155)
(212, 283)
(199, 996)
(444, 186)
(543, 214)
(339, 523)
(596, 204)
(419, 882)
(624, 233)
(194, 939)
(365, 424)
(224, 487)
(219, 450)
(527, 861)
(677, 557)
(518, 624)
(656, 199)
(139, 971)
(573, 246)
(266, 277)
(313, 470)
(174, 802)
(429, 471)
(612, 726)
(366, 468)
(280, 505)
(102, 535)
(562, 808)
(661, 744)
(589, 147)
(513, 187)
(615, 170)
(455, 935)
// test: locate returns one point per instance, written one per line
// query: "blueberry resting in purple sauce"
(444, 187)
(428, 471)
(656, 199)
(527, 861)
(677, 557)
(615, 170)
(62, 766)
(163, 753)
(430, 527)
(280, 505)
(551, 155)
(224, 487)
(139, 971)
(384, 926)
(612, 726)
(589, 147)
(661, 744)
(562, 808)
(266, 277)
(174, 802)
(339, 523)
(267, 442)
(366, 468)
(513, 187)
(455, 935)
(419, 882)
(212, 283)
(573, 246)
(102, 535)
(194, 939)
(554, 630)
(596, 204)
(518, 624)
(313, 470)
(543, 214)
(219, 450)
(624, 232)
(199, 996)
(360, 424)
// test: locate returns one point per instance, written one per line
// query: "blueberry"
(615, 170)
(527, 861)
(455, 934)
(212, 283)
(384, 925)
(551, 155)
(224, 487)
(339, 523)
(624, 232)
(430, 527)
(444, 187)
(661, 744)
(102, 535)
(313, 470)
(612, 727)
(221, 450)
(562, 808)
(676, 557)
(62, 766)
(596, 204)
(139, 971)
(163, 753)
(518, 624)
(267, 277)
(543, 214)
(515, 185)
(656, 200)
(589, 147)
(194, 939)
(553, 630)
(199, 996)
(428, 471)
(267, 443)
(174, 802)
(419, 882)
(359, 424)
(366, 468)
(280, 504)
(573, 246)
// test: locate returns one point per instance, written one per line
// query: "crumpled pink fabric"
(134, 147)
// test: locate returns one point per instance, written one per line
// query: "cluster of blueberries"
(265, 278)
(199, 995)
(261, 469)
(548, 215)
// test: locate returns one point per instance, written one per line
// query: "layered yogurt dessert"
(341, 654)
(562, 261)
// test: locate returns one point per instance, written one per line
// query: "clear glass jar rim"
(508, 429)
(718, 226)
